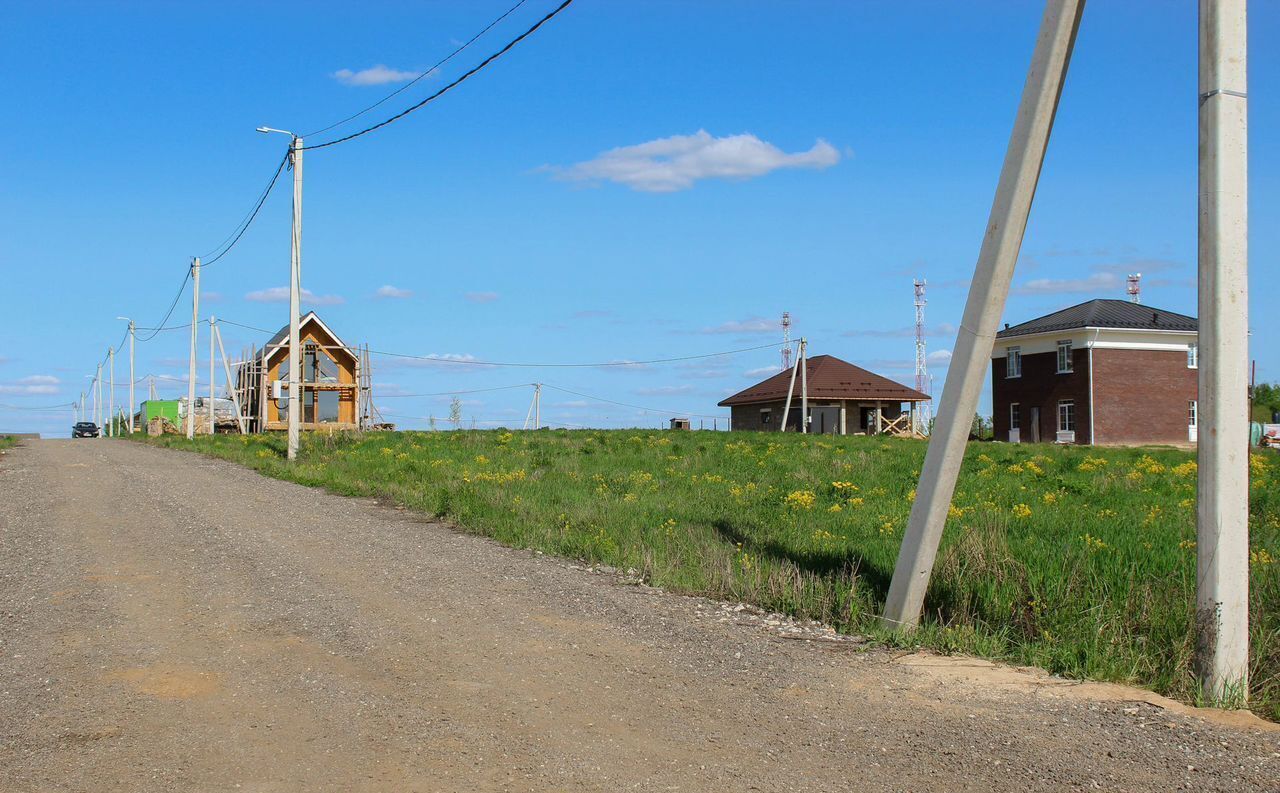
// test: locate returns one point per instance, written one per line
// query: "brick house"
(843, 400)
(1101, 372)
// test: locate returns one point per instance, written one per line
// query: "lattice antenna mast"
(786, 340)
(1135, 288)
(922, 370)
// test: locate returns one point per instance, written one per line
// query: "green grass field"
(1078, 560)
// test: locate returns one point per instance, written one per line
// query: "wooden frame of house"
(333, 375)
(843, 400)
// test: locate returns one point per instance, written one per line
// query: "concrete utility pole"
(791, 388)
(195, 327)
(537, 406)
(987, 295)
(1222, 518)
(295, 294)
(111, 392)
(804, 385)
(97, 401)
(212, 419)
(132, 404)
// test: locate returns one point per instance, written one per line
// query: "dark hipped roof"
(829, 378)
(1105, 314)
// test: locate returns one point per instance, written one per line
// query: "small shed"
(844, 399)
(681, 424)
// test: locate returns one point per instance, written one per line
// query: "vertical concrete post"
(1222, 518)
(295, 298)
(987, 295)
(195, 329)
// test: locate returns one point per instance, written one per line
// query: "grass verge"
(1077, 560)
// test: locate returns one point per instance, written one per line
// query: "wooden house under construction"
(336, 383)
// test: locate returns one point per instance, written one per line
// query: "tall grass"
(1078, 560)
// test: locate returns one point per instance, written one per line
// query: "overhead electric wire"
(415, 80)
(246, 222)
(626, 405)
(466, 362)
(453, 393)
(63, 406)
(448, 87)
(160, 325)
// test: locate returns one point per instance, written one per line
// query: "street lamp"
(295, 290)
(131, 338)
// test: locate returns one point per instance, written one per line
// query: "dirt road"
(174, 623)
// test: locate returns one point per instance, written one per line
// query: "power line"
(415, 80)
(452, 393)
(63, 406)
(468, 362)
(448, 87)
(247, 221)
(160, 325)
(635, 407)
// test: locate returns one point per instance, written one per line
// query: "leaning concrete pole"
(1222, 519)
(987, 294)
(195, 328)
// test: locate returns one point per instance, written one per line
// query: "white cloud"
(669, 164)
(374, 75)
(763, 371)
(211, 297)
(666, 390)
(280, 294)
(624, 365)
(393, 292)
(482, 297)
(939, 357)
(39, 379)
(32, 385)
(752, 325)
(448, 361)
(1099, 282)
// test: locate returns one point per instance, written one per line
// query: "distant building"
(843, 400)
(330, 379)
(1102, 372)
(681, 424)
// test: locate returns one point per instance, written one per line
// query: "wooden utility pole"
(987, 294)
(1222, 517)
(195, 329)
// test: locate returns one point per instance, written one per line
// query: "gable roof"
(1120, 314)
(829, 378)
(281, 337)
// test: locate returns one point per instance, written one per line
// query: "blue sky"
(805, 156)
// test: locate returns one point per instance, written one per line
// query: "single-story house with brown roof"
(843, 400)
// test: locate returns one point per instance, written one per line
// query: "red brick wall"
(1141, 396)
(1041, 386)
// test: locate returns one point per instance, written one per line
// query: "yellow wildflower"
(1021, 511)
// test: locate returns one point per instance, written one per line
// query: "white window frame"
(1013, 354)
(1065, 364)
(1015, 415)
(1193, 413)
(1193, 356)
(1070, 414)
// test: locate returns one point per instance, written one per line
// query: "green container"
(155, 408)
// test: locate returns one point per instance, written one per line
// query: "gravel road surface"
(176, 623)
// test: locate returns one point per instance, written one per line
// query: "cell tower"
(1135, 288)
(922, 366)
(786, 340)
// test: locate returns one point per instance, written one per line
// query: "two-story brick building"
(1101, 372)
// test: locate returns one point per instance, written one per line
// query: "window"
(1015, 416)
(1066, 415)
(1192, 415)
(1064, 357)
(1193, 356)
(765, 414)
(1013, 362)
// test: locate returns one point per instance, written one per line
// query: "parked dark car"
(84, 429)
